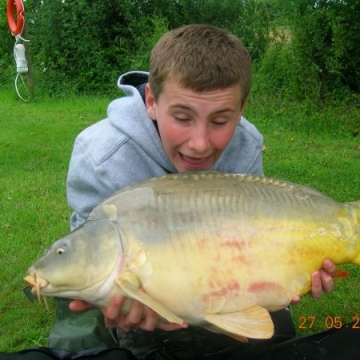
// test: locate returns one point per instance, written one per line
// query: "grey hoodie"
(125, 148)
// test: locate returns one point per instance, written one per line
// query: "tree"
(326, 33)
(7, 63)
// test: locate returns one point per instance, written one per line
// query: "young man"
(185, 116)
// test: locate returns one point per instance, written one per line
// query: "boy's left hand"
(321, 281)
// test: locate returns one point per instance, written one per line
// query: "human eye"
(222, 119)
(183, 118)
(219, 122)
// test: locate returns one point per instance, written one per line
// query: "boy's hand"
(139, 316)
(321, 281)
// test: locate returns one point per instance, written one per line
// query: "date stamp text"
(328, 322)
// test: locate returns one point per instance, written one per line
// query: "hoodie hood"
(129, 115)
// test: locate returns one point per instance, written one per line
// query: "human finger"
(171, 326)
(112, 314)
(327, 281)
(134, 316)
(316, 285)
(79, 305)
(115, 318)
(150, 321)
(329, 267)
(295, 300)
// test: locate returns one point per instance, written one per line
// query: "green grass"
(35, 145)
(36, 138)
(316, 148)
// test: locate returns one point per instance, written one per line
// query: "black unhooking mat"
(334, 344)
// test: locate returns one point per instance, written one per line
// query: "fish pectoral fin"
(254, 323)
(130, 285)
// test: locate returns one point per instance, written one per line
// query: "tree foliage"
(83, 46)
(319, 54)
(304, 48)
(328, 33)
(6, 47)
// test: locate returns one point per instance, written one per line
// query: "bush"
(282, 74)
(325, 34)
(7, 63)
(317, 57)
(83, 46)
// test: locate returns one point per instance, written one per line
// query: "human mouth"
(194, 162)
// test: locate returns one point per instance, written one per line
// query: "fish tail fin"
(341, 274)
(355, 206)
(356, 261)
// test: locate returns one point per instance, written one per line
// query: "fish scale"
(211, 249)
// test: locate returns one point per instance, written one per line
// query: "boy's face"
(194, 127)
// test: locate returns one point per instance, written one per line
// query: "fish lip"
(36, 282)
(30, 279)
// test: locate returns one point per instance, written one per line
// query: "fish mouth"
(37, 284)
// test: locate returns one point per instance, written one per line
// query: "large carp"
(210, 249)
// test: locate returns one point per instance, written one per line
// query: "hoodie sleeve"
(85, 185)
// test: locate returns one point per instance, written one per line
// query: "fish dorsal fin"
(130, 285)
(254, 323)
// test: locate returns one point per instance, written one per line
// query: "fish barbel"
(211, 249)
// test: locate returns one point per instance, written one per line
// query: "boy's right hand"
(139, 316)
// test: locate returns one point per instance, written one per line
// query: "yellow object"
(210, 249)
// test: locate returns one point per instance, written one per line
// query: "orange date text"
(328, 322)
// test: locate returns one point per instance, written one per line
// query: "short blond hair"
(201, 58)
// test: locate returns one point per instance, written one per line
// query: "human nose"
(199, 140)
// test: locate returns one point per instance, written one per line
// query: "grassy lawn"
(302, 144)
(35, 145)
(316, 148)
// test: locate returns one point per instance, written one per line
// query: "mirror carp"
(210, 249)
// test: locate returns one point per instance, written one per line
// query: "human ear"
(150, 102)
(243, 105)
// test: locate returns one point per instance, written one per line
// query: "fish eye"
(60, 251)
